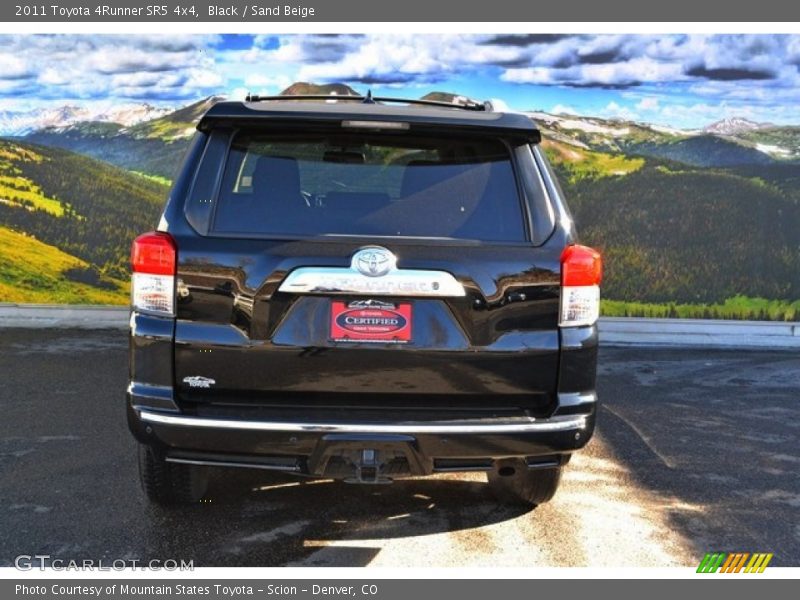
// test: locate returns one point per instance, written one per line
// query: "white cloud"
(388, 59)
(259, 81)
(707, 112)
(648, 104)
(203, 79)
(729, 62)
(14, 67)
(562, 109)
(148, 79)
(624, 74)
(51, 76)
(239, 93)
(616, 111)
(128, 59)
(541, 75)
(84, 67)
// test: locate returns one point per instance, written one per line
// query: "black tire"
(170, 484)
(513, 483)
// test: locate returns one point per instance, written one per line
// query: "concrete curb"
(712, 333)
(614, 331)
(39, 316)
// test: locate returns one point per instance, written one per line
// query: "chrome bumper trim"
(576, 398)
(555, 424)
(220, 463)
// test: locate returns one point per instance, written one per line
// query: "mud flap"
(367, 458)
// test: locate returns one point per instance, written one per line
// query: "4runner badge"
(373, 261)
(199, 382)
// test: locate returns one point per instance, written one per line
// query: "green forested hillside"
(31, 271)
(101, 208)
(155, 147)
(175, 126)
(785, 138)
(672, 233)
(692, 236)
(146, 155)
(700, 151)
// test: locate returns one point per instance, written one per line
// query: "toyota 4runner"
(362, 288)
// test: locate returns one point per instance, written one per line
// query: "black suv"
(362, 288)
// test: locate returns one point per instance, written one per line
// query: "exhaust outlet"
(506, 471)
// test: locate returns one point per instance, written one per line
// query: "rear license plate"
(371, 321)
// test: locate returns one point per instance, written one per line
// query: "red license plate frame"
(371, 321)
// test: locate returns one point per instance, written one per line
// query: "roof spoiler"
(465, 104)
(276, 112)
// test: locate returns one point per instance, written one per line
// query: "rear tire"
(170, 484)
(513, 483)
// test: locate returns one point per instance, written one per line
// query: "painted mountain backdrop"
(702, 222)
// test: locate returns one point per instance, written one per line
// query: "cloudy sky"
(678, 80)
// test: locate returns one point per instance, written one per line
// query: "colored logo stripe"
(758, 563)
(734, 562)
(711, 562)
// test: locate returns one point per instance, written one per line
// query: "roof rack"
(370, 99)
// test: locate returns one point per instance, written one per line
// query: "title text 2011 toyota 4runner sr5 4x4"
(362, 289)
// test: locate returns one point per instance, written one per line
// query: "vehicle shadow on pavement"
(262, 519)
(713, 435)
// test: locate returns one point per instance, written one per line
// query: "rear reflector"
(153, 261)
(581, 274)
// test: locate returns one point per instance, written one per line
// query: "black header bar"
(441, 11)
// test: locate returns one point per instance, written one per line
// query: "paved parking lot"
(696, 450)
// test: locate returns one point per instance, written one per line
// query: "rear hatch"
(366, 268)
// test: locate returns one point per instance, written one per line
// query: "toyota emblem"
(373, 261)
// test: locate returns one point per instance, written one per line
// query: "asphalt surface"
(696, 451)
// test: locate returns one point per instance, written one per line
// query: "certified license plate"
(371, 321)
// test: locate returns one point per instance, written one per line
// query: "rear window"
(369, 185)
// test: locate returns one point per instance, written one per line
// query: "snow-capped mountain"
(14, 123)
(730, 126)
(733, 126)
(729, 142)
(132, 114)
(585, 124)
(19, 123)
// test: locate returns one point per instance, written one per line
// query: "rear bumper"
(315, 448)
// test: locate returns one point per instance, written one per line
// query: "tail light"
(154, 257)
(581, 273)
